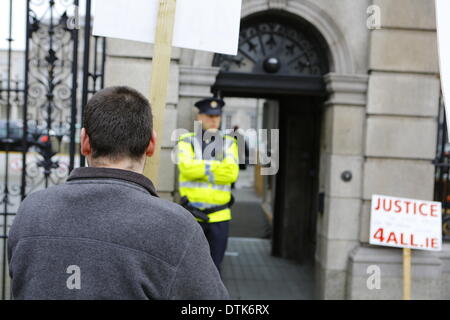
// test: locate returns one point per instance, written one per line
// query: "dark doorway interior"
(296, 197)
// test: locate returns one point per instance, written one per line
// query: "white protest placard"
(406, 223)
(443, 31)
(208, 25)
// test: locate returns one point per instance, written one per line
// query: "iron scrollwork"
(40, 113)
(442, 171)
(49, 92)
(272, 47)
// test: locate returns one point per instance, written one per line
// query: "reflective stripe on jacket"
(207, 183)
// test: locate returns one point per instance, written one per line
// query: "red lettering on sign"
(378, 204)
(392, 238)
(433, 210)
(434, 243)
(421, 209)
(397, 205)
(379, 235)
(385, 205)
(401, 239)
(407, 207)
(412, 241)
(407, 203)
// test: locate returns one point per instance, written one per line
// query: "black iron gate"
(442, 171)
(41, 101)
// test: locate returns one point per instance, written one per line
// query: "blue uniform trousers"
(217, 236)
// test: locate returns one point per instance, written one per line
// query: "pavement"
(249, 271)
(249, 220)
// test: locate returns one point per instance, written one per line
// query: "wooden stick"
(406, 274)
(160, 79)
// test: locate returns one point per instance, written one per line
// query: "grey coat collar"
(94, 173)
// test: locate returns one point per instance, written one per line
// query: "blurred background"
(352, 85)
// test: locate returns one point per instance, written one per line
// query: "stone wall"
(379, 124)
(400, 141)
(341, 151)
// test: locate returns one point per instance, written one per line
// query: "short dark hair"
(119, 123)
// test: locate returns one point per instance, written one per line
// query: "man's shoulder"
(172, 211)
(167, 211)
(159, 226)
(41, 196)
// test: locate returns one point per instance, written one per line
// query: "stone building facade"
(378, 122)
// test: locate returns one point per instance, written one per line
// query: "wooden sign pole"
(406, 274)
(160, 79)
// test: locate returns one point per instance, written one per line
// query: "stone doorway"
(283, 59)
(297, 183)
(270, 252)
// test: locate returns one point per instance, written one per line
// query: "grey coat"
(105, 234)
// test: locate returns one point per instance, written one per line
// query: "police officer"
(205, 180)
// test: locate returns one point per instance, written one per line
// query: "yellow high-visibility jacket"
(207, 183)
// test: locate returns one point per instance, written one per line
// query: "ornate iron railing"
(40, 111)
(442, 171)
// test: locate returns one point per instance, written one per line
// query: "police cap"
(210, 106)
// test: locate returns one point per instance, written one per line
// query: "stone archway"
(343, 121)
(341, 57)
(279, 53)
(284, 58)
